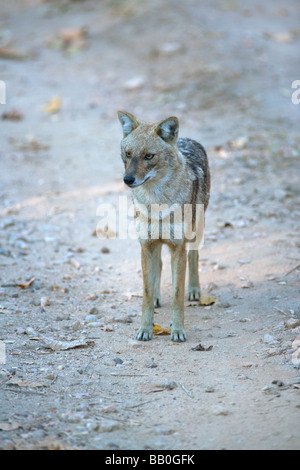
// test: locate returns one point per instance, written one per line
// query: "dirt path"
(225, 69)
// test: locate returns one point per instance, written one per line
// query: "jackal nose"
(129, 180)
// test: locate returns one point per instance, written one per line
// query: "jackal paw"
(144, 334)
(178, 335)
(194, 293)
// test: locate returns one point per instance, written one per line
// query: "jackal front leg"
(150, 263)
(158, 266)
(178, 261)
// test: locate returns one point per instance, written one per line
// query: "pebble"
(151, 364)
(118, 360)
(45, 302)
(270, 339)
(292, 323)
(220, 411)
(92, 297)
(134, 83)
(169, 385)
(94, 311)
(247, 285)
(108, 409)
(91, 318)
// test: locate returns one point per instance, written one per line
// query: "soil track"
(225, 68)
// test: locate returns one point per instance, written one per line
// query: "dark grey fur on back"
(198, 162)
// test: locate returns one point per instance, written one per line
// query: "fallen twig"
(186, 390)
(56, 345)
(291, 270)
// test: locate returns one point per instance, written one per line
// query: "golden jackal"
(168, 176)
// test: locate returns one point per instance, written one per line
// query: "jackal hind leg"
(194, 292)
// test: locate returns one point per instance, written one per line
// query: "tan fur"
(165, 171)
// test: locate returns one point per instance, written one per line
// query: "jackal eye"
(149, 156)
(128, 154)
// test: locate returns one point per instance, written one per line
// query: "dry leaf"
(25, 285)
(158, 330)
(207, 300)
(201, 348)
(106, 232)
(53, 106)
(56, 345)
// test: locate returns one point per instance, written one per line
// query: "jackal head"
(148, 150)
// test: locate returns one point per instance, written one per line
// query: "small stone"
(220, 411)
(220, 266)
(91, 318)
(50, 376)
(169, 385)
(292, 323)
(107, 328)
(45, 302)
(75, 262)
(151, 364)
(247, 285)
(134, 83)
(109, 409)
(94, 311)
(270, 339)
(118, 360)
(279, 383)
(92, 297)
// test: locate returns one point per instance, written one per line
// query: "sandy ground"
(225, 68)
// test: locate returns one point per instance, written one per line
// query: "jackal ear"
(128, 121)
(168, 129)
